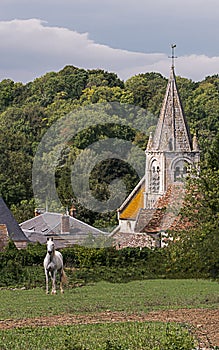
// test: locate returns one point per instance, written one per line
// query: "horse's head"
(50, 246)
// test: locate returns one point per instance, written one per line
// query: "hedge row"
(80, 256)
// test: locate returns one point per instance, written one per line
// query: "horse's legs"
(61, 285)
(47, 282)
(53, 277)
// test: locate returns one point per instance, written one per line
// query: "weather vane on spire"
(173, 46)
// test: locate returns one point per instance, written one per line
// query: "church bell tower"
(170, 156)
(171, 153)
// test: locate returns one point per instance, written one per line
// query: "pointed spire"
(172, 132)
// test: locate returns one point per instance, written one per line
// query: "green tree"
(99, 77)
(195, 250)
(148, 90)
(10, 92)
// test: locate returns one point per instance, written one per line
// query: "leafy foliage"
(195, 251)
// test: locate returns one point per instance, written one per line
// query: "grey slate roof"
(7, 218)
(47, 224)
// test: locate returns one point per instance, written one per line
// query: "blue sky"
(123, 36)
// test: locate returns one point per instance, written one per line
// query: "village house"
(65, 229)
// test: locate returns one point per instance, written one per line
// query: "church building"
(152, 207)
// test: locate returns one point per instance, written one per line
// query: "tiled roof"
(144, 217)
(165, 215)
(6, 218)
(49, 224)
(135, 240)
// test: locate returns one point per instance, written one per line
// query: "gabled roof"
(49, 224)
(172, 132)
(14, 231)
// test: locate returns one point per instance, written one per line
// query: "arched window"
(155, 177)
(181, 170)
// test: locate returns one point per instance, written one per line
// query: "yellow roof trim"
(135, 203)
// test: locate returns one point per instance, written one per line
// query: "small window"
(181, 171)
(155, 177)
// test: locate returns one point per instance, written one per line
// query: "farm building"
(153, 206)
(65, 229)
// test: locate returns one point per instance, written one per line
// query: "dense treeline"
(28, 110)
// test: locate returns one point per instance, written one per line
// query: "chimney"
(39, 211)
(73, 211)
(65, 224)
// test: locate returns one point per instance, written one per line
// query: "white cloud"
(30, 48)
(197, 67)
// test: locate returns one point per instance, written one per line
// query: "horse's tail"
(64, 278)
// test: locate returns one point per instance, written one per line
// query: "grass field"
(133, 297)
(123, 336)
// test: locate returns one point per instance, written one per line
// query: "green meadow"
(136, 297)
(131, 297)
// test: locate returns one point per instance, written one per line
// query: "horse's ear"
(51, 238)
(47, 238)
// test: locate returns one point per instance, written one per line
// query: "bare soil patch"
(203, 323)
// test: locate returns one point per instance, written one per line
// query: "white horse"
(53, 263)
